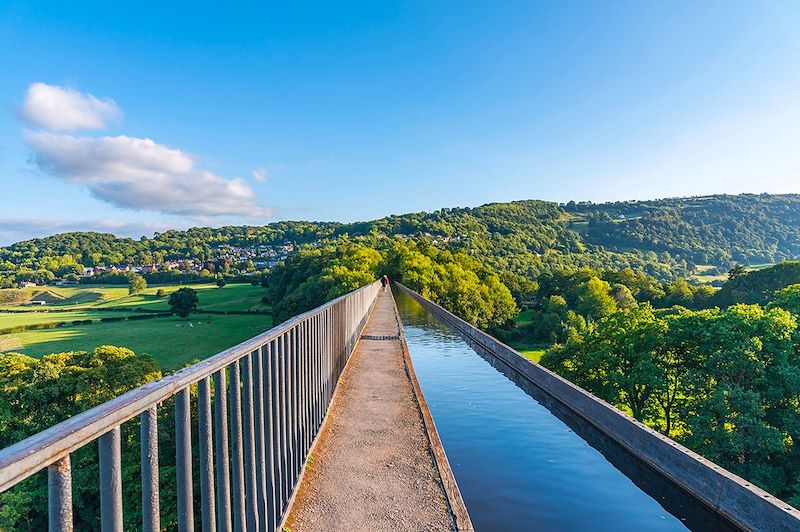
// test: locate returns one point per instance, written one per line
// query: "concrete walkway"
(373, 467)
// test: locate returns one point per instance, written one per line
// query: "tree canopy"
(183, 301)
(136, 284)
(37, 394)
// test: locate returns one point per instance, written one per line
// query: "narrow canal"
(518, 466)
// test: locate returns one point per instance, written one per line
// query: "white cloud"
(140, 174)
(62, 108)
(260, 174)
(14, 229)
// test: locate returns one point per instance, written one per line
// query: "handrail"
(330, 330)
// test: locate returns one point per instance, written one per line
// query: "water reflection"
(520, 467)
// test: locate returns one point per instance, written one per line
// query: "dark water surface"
(518, 466)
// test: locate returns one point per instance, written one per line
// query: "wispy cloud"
(260, 174)
(63, 108)
(143, 175)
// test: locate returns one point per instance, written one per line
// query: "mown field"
(171, 341)
(31, 318)
(231, 297)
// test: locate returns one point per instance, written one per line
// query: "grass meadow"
(171, 341)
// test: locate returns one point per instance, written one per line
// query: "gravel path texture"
(372, 467)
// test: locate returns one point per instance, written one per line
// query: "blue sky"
(140, 117)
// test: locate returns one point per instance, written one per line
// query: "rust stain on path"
(373, 467)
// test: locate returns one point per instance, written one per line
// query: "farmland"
(233, 297)
(171, 341)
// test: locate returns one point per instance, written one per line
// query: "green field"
(171, 341)
(524, 317)
(238, 296)
(29, 318)
(532, 350)
(534, 355)
(703, 276)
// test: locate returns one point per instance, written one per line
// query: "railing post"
(59, 496)
(309, 383)
(328, 349)
(148, 428)
(239, 515)
(283, 412)
(291, 421)
(296, 404)
(269, 433)
(304, 389)
(207, 503)
(110, 481)
(316, 371)
(221, 452)
(249, 446)
(261, 474)
(183, 461)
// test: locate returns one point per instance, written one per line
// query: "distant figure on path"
(384, 282)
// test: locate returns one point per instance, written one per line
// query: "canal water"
(519, 467)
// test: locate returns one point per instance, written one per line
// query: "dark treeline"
(662, 238)
(720, 230)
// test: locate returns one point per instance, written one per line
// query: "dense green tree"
(617, 361)
(741, 402)
(183, 301)
(456, 281)
(136, 284)
(788, 299)
(593, 298)
(36, 394)
(678, 292)
(724, 382)
(315, 275)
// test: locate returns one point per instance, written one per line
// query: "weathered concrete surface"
(733, 498)
(372, 467)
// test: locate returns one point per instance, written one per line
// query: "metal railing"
(256, 424)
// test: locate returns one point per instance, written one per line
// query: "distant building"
(37, 303)
(26, 284)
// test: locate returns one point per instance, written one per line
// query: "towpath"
(373, 467)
